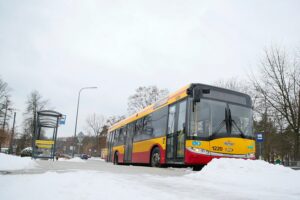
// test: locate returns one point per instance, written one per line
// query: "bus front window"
(208, 118)
(241, 120)
(212, 118)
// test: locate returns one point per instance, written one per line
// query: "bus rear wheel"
(116, 159)
(155, 157)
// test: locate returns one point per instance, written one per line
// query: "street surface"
(77, 179)
(102, 166)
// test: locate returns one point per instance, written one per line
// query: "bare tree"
(5, 105)
(145, 96)
(34, 104)
(278, 85)
(114, 119)
(95, 126)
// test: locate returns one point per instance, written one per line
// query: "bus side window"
(138, 129)
(147, 128)
(159, 121)
(116, 137)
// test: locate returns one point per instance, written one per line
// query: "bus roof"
(171, 98)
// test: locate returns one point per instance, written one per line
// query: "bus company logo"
(196, 143)
(228, 143)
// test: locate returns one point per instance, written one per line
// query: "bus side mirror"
(197, 93)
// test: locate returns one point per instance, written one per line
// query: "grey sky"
(57, 47)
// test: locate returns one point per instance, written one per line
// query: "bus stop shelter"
(45, 134)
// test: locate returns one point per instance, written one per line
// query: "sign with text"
(62, 120)
(259, 137)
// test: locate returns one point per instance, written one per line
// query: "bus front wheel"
(155, 157)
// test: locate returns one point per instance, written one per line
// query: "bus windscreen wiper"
(221, 125)
(231, 121)
(241, 132)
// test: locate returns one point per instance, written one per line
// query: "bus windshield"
(211, 118)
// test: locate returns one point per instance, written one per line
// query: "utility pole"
(12, 135)
(5, 114)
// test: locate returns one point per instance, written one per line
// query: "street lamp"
(77, 116)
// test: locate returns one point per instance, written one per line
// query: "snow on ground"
(76, 159)
(221, 179)
(96, 158)
(10, 162)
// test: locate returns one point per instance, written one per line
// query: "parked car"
(27, 152)
(5, 150)
(84, 156)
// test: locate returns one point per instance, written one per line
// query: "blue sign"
(62, 120)
(259, 137)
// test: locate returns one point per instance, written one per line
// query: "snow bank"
(250, 176)
(221, 179)
(10, 162)
(76, 159)
(96, 158)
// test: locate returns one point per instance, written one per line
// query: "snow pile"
(9, 162)
(250, 176)
(62, 159)
(76, 159)
(96, 158)
(221, 179)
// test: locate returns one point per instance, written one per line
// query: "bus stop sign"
(259, 137)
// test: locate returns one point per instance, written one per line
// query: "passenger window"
(159, 121)
(181, 117)
(147, 128)
(171, 121)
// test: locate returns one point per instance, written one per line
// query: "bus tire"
(155, 157)
(116, 159)
(198, 167)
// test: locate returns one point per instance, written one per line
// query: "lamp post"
(77, 116)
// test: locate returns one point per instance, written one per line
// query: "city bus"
(187, 128)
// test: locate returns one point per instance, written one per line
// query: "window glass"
(138, 130)
(121, 136)
(241, 118)
(208, 118)
(139, 127)
(171, 121)
(181, 129)
(159, 122)
(147, 128)
(181, 116)
(116, 137)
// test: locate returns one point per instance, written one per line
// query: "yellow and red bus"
(189, 127)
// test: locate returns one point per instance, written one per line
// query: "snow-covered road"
(95, 179)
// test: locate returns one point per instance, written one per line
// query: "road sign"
(62, 120)
(259, 137)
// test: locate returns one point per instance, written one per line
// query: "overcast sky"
(57, 47)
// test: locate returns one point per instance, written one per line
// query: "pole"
(73, 149)
(12, 135)
(260, 151)
(76, 123)
(4, 120)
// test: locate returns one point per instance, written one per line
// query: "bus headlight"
(198, 150)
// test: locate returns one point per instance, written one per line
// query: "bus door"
(110, 146)
(128, 143)
(176, 132)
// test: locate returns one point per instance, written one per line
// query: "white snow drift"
(9, 162)
(221, 179)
